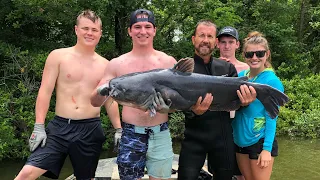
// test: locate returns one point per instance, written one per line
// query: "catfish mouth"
(113, 92)
(104, 90)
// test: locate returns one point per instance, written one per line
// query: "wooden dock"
(108, 170)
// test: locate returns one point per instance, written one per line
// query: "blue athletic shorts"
(141, 147)
(80, 139)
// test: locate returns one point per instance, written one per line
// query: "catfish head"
(132, 90)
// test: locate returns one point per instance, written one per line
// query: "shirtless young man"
(228, 43)
(146, 140)
(76, 129)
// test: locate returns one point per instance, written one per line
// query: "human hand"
(264, 159)
(224, 58)
(117, 138)
(202, 105)
(246, 95)
(38, 135)
(160, 105)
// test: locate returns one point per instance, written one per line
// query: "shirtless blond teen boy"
(76, 130)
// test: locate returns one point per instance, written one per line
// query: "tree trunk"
(302, 17)
(117, 32)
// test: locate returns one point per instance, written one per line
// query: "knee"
(25, 173)
(29, 172)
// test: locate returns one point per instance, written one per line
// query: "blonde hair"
(258, 38)
(89, 15)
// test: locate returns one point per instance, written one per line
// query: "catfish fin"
(185, 65)
(271, 99)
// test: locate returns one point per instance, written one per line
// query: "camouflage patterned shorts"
(141, 147)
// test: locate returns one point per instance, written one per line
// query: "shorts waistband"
(74, 121)
(146, 129)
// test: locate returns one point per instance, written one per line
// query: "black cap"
(229, 31)
(134, 19)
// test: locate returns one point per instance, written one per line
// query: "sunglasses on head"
(250, 54)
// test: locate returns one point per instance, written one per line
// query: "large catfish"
(180, 88)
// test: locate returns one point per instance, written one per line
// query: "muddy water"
(298, 159)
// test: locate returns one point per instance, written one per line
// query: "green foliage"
(176, 22)
(6, 129)
(176, 125)
(314, 37)
(301, 116)
(297, 66)
(107, 128)
(17, 116)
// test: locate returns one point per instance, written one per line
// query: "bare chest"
(132, 67)
(88, 73)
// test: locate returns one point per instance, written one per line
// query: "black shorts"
(254, 150)
(80, 139)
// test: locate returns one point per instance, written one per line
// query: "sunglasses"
(250, 54)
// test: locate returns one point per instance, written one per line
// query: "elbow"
(94, 100)
(95, 104)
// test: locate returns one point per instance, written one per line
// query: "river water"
(297, 160)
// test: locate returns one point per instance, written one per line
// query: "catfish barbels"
(180, 88)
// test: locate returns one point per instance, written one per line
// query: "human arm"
(96, 98)
(202, 106)
(246, 94)
(270, 131)
(111, 106)
(264, 158)
(224, 58)
(49, 77)
(112, 109)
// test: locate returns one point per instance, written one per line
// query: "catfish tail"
(271, 99)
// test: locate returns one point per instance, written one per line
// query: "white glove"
(117, 137)
(38, 135)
